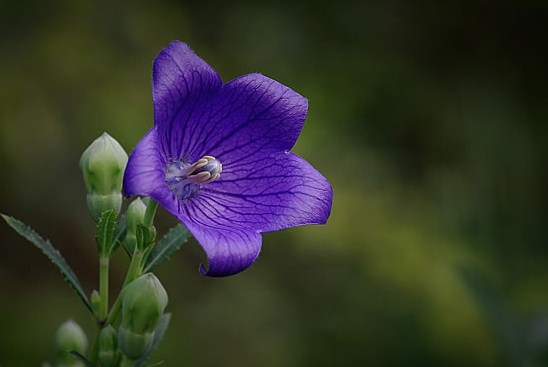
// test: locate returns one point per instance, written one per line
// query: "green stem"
(103, 287)
(134, 270)
(150, 212)
(136, 265)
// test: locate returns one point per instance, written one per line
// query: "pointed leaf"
(119, 232)
(105, 232)
(497, 312)
(54, 255)
(159, 333)
(171, 242)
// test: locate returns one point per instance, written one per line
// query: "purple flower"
(218, 159)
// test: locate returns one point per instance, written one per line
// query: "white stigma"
(184, 179)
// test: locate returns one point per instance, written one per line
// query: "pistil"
(185, 179)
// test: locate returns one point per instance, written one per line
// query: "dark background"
(429, 119)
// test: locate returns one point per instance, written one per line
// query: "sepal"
(134, 345)
(159, 333)
(98, 204)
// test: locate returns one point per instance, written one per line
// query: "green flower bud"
(143, 303)
(103, 164)
(108, 347)
(95, 301)
(151, 234)
(69, 337)
(135, 215)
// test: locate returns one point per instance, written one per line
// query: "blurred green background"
(429, 119)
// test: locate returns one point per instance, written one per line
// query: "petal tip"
(326, 212)
(178, 45)
(230, 256)
(220, 271)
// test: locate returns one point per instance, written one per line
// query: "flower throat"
(185, 179)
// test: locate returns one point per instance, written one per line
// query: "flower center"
(185, 179)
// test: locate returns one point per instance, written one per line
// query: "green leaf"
(54, 255)
(81, 358)
(119, 232)
(143, 237)
(171, 242)
(497, 312)
(105, 232)
(159, 333)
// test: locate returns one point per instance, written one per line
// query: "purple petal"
(249, 115)
(145, 172)
(181, 83)
(279, 191)
(229, 250)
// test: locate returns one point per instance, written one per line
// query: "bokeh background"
(429, 119)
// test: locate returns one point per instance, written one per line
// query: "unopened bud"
(103, 164)
(69, 337)
(135, 215)
(108, 347)
(95, 301)
(143, 303)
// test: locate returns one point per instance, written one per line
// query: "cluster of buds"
(143, 303)
(142, 300)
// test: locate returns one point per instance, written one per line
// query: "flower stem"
(135, 269)
(136, 264)
(103, 287)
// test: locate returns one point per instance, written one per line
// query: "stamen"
(184, 179)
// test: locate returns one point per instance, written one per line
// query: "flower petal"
(181, 82)
(229, 250)
(145, 172)
(279, 191)
(250, 115)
